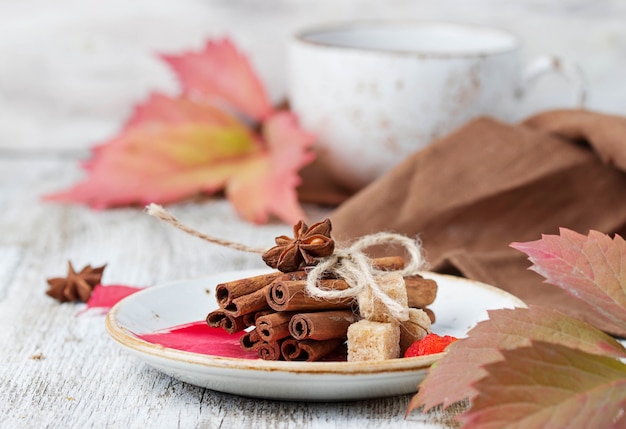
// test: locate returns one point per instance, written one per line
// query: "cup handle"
(553, 64)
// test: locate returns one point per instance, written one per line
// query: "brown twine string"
(160, 213)
(350, 264)
(355, 268)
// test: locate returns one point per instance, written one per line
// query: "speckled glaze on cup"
(375, 92)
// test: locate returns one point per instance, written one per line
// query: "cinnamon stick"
(269, 350)
(250, 340)
(274, 326)
(322, 325)
(292, 296)
(250, 303)
(388, 263)
(222, 319)
(249, 319)
(226, 292)
(308, 350)
(420, 292)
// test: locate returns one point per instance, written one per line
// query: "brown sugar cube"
(416, 328)
(372, 308)
(369, 340)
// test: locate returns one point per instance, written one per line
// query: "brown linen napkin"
(471, 194)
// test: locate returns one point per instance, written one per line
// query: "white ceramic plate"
(460, 304)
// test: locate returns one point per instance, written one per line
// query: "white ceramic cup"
(375, 92)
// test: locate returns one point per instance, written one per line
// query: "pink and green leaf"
(268, 184)
(169, 156)
(161, 109)
(591, 268)
(221, 73)
(549, 386)
(451, 379)
(173, 148)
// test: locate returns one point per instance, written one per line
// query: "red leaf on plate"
(105, 297)
(198, 337)
(592, 268)
(550, 386)
(452, 378)
(221, 73)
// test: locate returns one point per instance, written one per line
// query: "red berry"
(430, 344)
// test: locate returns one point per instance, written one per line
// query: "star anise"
(76, 286)
(308, 244)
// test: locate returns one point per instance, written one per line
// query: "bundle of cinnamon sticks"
(283, 322)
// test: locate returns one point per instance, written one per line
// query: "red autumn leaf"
(451, 379)
(221, 73)
(550, 386)
(161, 110)
(177, 148)
(105, 297)
(198, 337)
(592, 268)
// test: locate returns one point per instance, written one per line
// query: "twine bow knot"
(355, 268)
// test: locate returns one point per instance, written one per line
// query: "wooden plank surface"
(59, 367)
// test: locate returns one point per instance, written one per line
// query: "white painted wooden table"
(60, 369)
(70, 71)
